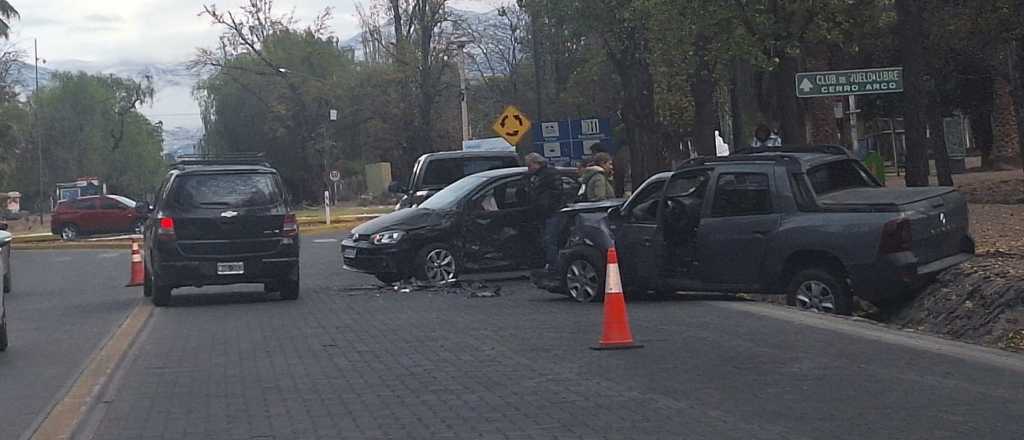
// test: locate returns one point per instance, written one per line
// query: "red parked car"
(96, 215)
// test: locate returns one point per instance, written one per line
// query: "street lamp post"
(39, 143)
(461, 46)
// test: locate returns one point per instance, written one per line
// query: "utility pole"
(35, 126)
(462, 86)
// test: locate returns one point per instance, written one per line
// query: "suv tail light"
(291, 226)
(896, 237)
(166, 231)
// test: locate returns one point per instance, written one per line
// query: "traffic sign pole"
(853, 122)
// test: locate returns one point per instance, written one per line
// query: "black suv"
(218, 221)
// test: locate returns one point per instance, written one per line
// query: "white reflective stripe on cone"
(613, 283)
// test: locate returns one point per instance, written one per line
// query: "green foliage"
(87, 125)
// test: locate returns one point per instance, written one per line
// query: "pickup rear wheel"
(821, 290)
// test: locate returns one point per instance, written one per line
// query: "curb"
(63, 419)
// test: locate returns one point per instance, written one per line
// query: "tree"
(911, 28)
(76, 116)
(418, 45)
(7, 13)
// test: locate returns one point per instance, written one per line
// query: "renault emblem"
(232, 214)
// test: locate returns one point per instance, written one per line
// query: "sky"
(152, 31)
(118, 32)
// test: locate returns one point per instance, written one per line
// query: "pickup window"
(837, 176)
(444, 172)
(742, 194)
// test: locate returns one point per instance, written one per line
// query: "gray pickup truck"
(810, 223)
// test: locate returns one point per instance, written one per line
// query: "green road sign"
(849, 82)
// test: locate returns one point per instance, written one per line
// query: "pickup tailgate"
(938, 215)
(939, 226)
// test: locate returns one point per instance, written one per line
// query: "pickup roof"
(813, 224)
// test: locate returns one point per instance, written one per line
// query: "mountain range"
(172, 104)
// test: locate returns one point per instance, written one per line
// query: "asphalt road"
(351, 361)
(63, 307)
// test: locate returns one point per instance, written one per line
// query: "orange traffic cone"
(616, 334)
(138, 269)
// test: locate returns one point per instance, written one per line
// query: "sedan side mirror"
(614, 212)
(3, 226)
(143, 208)
(396, 187)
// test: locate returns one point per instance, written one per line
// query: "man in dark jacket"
(546, 192)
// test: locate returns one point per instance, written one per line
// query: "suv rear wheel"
(161, 294)
(822, 290)
(3, 335)
(290, 286)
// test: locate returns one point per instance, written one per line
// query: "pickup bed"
(812, 224)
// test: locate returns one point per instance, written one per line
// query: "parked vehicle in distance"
(106, 214)
(813, 224)
(221, 220)
(5, 281)
(434, 171)
(481, 223)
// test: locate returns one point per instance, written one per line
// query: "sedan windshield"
(449, 197)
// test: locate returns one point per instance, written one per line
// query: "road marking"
(109, 255)
(64, 417)
(61, 259)
(326, 240)
(881, 333)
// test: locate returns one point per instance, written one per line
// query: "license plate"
(349, 253)
(230, 268)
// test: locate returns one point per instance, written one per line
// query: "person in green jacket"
(596, 179)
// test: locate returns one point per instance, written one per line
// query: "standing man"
(546, 193)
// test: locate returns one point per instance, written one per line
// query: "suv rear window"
(444, 172)
(226, 191)
(837, 176)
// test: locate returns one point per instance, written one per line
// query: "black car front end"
(387, 261)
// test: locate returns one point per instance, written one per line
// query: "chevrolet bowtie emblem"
(229, 214)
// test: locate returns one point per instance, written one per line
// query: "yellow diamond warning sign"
(512, 125)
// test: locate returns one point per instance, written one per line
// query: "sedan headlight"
(389, 237)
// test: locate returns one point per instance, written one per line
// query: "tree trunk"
(938, 144)
(702, 87)
(744, 104)
(822, 114)
(639, 115)
(536, 15)
(910, 23)
(790, 114)
(1005, 138)
(981, 128)
(1017, 85)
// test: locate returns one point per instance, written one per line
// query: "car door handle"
(647, 242)
(761, 232)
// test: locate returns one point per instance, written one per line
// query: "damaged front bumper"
(377, 260)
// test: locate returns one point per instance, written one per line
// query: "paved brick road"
(348, 363)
